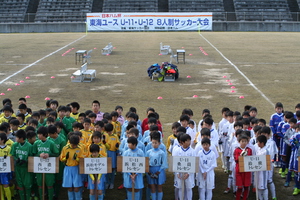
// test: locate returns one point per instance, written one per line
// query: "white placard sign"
(134, 164)
(95, 165)
(184, 164)
(255, 163)
(47, 165)
(5, 165)
(149, 21)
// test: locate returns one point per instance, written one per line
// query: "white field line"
(34, 63)
(239, 71)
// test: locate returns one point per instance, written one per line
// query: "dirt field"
(261, 66)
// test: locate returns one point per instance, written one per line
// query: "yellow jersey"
(5, 151)
(102, 151)
(71, 160)
(117, 128)
(9, 142)
(111, 141)
(85, 136)
(171, 137)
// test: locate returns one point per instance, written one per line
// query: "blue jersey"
(158, 158)
(279, 129)
(276, 118)
(161, 146)
(285, 127)
(124, 146)
(134, 153)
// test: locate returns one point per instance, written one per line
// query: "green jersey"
(68, 125)
(45, 147)
(20, 152)
(59, 142)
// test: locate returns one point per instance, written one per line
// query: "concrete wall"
(80, 27)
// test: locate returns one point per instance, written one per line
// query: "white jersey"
(199, 125)
(214, 137)
(189, 182)
(199, 148)
(261, 177)
(207, 163)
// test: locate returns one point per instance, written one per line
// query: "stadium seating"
(13, 10)
(63, 10)
(215, 6)
(262, 10)
(130, 6)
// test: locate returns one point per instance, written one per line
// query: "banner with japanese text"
(149, 21)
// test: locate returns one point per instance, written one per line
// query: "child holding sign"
(158, 163)
(4, 177)
(188, 178)
(243, 179)
(131, 179)
(98, 178)
(206, 175)
(20, 150)
(70, 154)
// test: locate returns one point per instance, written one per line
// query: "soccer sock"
(148, 193)
(245, 193)
(208, 194)
(265, 194)
(71, 195)
(100, 196)
(1, 189)
(189, 193)
(229, 181)
(141, 194)
(297, 184)
(238, 193)
(41, 192)
(92, 197)
(288, 176)
(159, 196)
(202, 193)
(22, 194)
(176, 191)
(77, 195)
(7, 193)
(129, 195)
(272, 189)
(28, 193)
(50, 193)
(113, 174)
(137, 195)
(153, 195)
(12, 190)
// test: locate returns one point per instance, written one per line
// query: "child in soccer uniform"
(272, 150)
(295, 145)
(261, 182)
(20, 150)
(275, 119)
(158, 163)
(112, 144)
(70, 154)
(173, 136)
(188, 178)
(86, 131)
(243, 179)
(44, 149)
(96, 139)
(117, 125)
(5, 177)
(59, 144)
(96, 180)
(206, 175)
(224, 137)
(133, 151)
(7, 114)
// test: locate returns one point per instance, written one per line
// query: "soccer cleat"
(293, 175)
(280, 171)
(227, 191)
(286, 184)
(296, 191)
(121, 187)
(274, 198)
